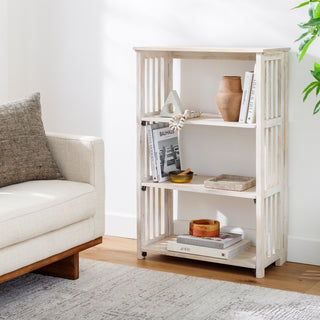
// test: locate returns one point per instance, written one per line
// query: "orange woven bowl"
(204, 228)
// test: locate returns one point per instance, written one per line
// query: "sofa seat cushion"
(33, 208)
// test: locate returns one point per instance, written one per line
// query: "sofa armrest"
(81, 159)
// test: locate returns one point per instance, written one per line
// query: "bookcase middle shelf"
(206, 119)
(196, 185)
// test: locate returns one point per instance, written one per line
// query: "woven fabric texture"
(24, 151)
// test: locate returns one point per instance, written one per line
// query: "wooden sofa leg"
(67, 268)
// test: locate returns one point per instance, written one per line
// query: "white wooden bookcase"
(155, 200)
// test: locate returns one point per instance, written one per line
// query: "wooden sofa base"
(64, 264)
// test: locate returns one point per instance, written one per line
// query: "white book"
(251, 117)
(167, 152)
(209, 252)
(224, 240)
(245, 96)
(153, 163)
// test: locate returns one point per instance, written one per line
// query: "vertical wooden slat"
(147, 86)
(273, 155)
(276, 89)
(158, 211)
(165, 77)
(267, 84)
(272, 84)
(278, 155)
(270, 158)
(274, 225)
(154, 98)
(154, 214)
(271, 217)
(140, 158)
(151, 213)
(162, 82)
(267, 228)
(156, 77)
(279, 223)
(147, 216)
(284, 166)
(169, 212)
(163, 212)
(168, 79)
(147, 165)
(159, 84)
(260, 172)
(266, 157)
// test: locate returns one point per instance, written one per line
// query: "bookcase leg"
(142, 255)
(260, 273)
(280, 262)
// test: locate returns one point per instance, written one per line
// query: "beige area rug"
(111, 291)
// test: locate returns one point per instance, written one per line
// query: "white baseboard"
(121, 225)
(304, 250)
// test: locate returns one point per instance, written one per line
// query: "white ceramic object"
(172, 106)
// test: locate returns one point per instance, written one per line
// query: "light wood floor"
(291, 276)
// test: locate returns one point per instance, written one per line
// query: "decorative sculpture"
(172, 106)
(177, 122)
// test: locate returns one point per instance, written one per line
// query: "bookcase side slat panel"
(140, 152)
(283, 169)
(260, 166)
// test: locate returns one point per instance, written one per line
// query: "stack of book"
(164, 151)
(248, 102)
(225, 246)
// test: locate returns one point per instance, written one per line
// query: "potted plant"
(311, 31)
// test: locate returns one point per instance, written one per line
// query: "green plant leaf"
(308, 92)
(316, 108)
(316, 75)
(304, 4)
(301, 5)
(316, 12)
(318, 89)
(311, 10)
(304, 47)
(307, 87)
(316, 66)
(305, 34)
(303, 25)
(311, 23)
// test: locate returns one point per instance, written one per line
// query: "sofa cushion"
(24, 151)
(33, 208)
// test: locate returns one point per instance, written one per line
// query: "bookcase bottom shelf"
(246, 258)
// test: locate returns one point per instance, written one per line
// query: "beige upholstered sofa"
(45, 223)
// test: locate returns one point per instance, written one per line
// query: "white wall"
(78, 54)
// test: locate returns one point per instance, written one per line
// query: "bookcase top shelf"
(245, 53)
(196, 185)
(214, 49)
(206, 119)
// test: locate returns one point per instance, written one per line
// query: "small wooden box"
(230, 182)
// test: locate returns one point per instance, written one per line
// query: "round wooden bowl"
(177, 177)
(204, 228)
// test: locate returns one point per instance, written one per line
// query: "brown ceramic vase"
(229, 98)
